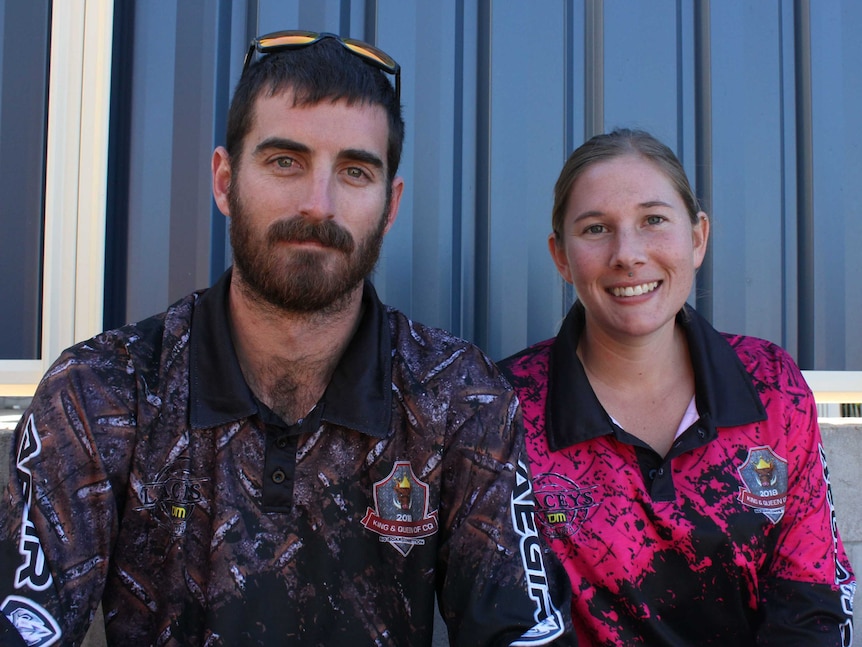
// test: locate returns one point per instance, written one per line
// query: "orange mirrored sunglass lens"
(366, 50)
(290, 39)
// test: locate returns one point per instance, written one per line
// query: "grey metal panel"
(194, 84)
(150, 161)
(790, 315)
(748, 168)
(416, 272)
(641, 67)
(171, 142)
(837, 97)
(496, 94)
(527, 138)
(25, 30)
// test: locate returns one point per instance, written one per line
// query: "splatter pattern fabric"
(730, 539)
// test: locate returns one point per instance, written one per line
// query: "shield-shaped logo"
(36, 626)
(764, 474)
(400, 515)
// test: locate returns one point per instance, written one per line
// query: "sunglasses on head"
(297, 39)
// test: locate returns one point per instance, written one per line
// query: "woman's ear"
(558, 254)
(700, 238)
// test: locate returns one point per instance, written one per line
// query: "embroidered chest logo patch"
(563, 505)
(400, 515)
(172, 495)
(764, 474)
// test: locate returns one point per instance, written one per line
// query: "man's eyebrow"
(281, 143)
(360, 155)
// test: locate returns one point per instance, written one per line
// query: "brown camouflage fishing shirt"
(146, 476)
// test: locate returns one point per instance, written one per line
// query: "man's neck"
(288, 358)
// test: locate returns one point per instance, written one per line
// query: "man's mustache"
(299, 230)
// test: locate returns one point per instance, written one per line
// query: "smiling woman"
(678, 470)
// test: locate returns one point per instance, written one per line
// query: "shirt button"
(661, 471)
(281, 443)
(701, 433)
(278, 477)
(652, 474)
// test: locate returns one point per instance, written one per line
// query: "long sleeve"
(58, 516)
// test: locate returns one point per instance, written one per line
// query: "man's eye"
(655, 220)
(355, 172)
(594, 229)
(284, 162)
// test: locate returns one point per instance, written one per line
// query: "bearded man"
(223, 473)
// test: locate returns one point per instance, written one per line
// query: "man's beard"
(301, 283)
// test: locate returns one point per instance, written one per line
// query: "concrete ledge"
(843, 444)
(842, 440)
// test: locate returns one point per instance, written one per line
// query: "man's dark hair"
(322, 71)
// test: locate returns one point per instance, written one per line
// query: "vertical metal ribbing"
(370, 20)
(456, 321)
(483, 178)
(804, 182)
(344, 18)
(703, 144)
(119, 152)
(594, 72)
(570, 95)
(222, 95)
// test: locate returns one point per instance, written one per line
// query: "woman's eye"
(655, 220)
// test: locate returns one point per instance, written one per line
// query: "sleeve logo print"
(34, 623)
(33, 573)
(36, 626)
(764, 474)
(400, 515)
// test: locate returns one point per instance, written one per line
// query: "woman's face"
(629, 247)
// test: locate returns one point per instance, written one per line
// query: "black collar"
(359, 395)
(724, 391)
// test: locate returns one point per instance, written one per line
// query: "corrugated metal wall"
(760, 99)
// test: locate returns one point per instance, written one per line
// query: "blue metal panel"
(149, 211)
(837, 96)
(25, 30)
(417, 270)
(527, 138)
(748, 168)
(496, 94)
(641, 67)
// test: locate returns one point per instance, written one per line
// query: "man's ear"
(394, 201)
(222, 174)
(558, 254)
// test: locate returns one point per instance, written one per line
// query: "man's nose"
(317, 199)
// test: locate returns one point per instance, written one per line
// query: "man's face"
(309, 202)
